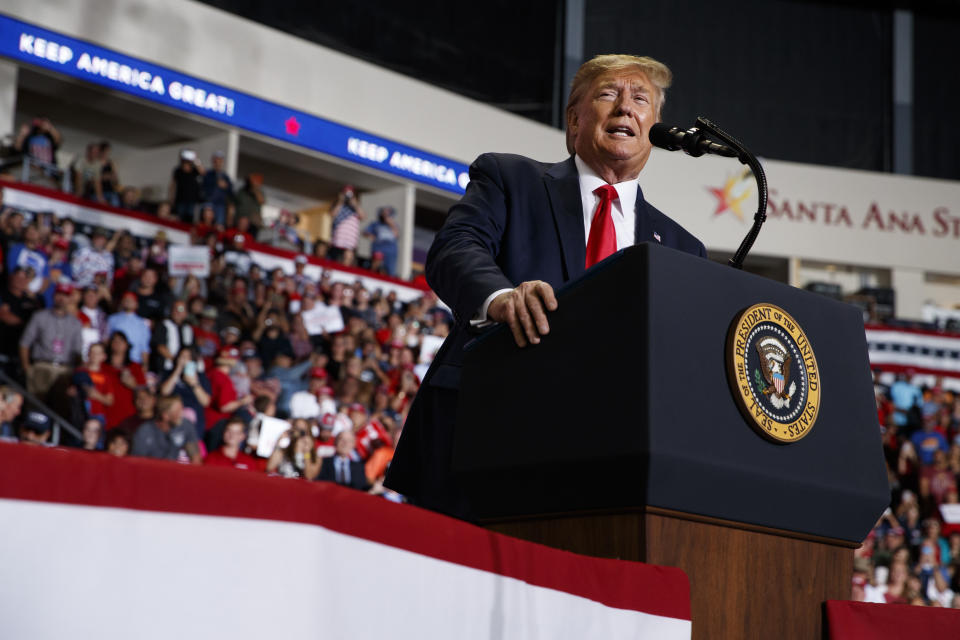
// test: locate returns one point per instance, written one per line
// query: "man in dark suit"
(341, 467)
(523, 228)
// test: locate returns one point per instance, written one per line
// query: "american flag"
(656, 237)
(778, 382)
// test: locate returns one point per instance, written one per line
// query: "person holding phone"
(38, 140)
(347, 214)
(188, 382)
(168, 337)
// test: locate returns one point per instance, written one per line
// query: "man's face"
(612, 121)
(149, 278)
(31, 236)
(145, 401)
(130, 303)
(19, 279)
(345, 443)
(234, 434)
(174, 415)
(359, 418)
(60, 300)
(90, 298)
(254, 367)
(15, 222)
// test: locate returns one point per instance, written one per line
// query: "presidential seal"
(773, 373)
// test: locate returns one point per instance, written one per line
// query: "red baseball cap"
(318, 372)
(63, 287)
(129, 294)
(229, 352)
(356, 406)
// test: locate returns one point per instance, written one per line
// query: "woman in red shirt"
(127, 376)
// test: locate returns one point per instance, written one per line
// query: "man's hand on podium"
(523, 308)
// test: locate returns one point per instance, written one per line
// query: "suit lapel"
(563, 188)
(642, 231)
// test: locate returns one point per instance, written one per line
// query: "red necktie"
(603, 237)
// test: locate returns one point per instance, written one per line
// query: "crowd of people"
(208, 196)
(256, 369)
(273, 372)
(912, 556)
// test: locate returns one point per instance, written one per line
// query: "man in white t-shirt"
(310, 403)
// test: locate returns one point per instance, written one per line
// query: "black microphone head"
(666, 137)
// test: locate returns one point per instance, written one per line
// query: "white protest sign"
(186, 260)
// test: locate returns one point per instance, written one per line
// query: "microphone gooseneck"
(694, 142)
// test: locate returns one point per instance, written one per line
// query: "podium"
(619, 436)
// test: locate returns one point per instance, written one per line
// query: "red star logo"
(292, 126)
(722, 204)
(728, 199)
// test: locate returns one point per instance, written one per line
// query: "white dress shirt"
(623, 212)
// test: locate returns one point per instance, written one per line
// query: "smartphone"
(190, 369)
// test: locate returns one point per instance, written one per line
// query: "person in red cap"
(51, 343)
(237, 237)
(307, 403)
(238, 310)
(223, 395)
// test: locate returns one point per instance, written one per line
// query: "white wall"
(231, 51)
(151, 169)
(942, 292)
(685, 188)
(8, 97)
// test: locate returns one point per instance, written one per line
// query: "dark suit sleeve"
(702, 250)
(358, 476)
(461, 264)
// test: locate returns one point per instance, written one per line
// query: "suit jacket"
(519, 220)
(358, 477)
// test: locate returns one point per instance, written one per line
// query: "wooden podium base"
(745, 581)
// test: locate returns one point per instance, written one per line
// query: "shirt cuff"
(480, 319)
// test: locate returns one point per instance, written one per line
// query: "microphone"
(692, 141)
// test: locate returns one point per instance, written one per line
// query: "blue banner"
(90, 63)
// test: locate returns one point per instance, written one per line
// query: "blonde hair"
(658, 73)
(165, 403)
